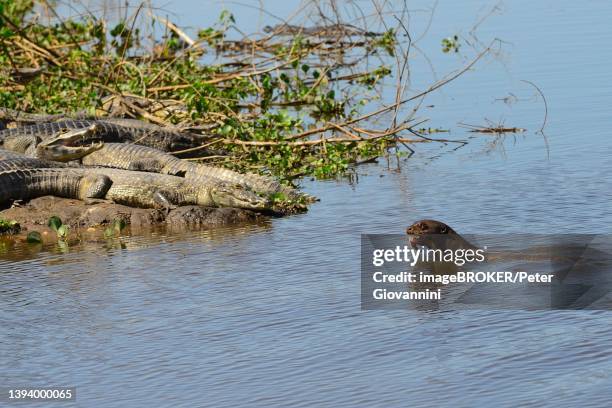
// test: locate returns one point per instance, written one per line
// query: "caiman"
(60, 147)
(142, 158)
(139, 189)
(23, 183)
(20, 117)
(111, 131)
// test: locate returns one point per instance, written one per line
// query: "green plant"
(55, 223)
(388, 41)
(259, 99)
(9, 227)
(114, 228)
(450, 44)
(34, 237)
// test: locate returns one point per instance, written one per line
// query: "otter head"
(237, 196)
(430, 233)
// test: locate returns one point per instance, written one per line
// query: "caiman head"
(63, 147)
(234, 195)
(435, 234)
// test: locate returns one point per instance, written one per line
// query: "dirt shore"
(35, 214)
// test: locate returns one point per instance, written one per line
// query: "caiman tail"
(18, 183)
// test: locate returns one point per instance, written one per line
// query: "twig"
(545, 103)
(125, 47)
(432, 88)
(222, 79)
(197, 148)
(500, 128)
(174, 28)
(346, 132)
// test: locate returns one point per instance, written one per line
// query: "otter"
(436, 235)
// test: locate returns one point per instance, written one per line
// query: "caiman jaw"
(59, 147)
(238, 197)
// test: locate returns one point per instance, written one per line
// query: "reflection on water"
(94, 242)
(270, 315)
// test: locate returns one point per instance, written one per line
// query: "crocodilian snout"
(64, 146)
(238, 197)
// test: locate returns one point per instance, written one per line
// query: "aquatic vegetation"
(491, 127)
(292, 101)
(451, 44)
(55, 223)
(34, 237)
(9, 227)
(114, 228)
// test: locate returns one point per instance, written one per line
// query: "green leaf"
(118, 225)
(109, 232)
(118, 29)
(54, 223)
(5, 32)
(62, 232)
(63, 246)
(9, 226)
(226, 16)
(34, 237)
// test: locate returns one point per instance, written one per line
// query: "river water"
(269, 314)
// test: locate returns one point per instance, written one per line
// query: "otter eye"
(424, 226)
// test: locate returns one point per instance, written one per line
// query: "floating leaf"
(62, 231)
(118, 225)
(9, 226)
(34, 237)
(54, 223)
(109, 232)
(62, 246)
(115, 228)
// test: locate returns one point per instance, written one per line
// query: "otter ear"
(444, 229)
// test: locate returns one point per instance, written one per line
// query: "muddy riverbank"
(97, 214)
